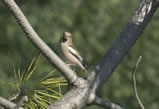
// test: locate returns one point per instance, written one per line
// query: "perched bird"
(70, 52)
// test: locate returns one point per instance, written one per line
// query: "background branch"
(106, 104)
(134, 82)
(7, 104)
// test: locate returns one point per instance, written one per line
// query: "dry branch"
(134, 82)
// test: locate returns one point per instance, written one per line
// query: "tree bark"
(7, 104)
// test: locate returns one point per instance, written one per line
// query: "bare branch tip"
(134, 82)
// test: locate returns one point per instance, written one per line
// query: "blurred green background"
(94, 24)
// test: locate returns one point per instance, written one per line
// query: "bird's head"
(66, 37)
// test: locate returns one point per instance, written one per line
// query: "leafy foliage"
(46, 92)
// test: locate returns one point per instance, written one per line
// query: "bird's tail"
(85, 70)
(85, 67)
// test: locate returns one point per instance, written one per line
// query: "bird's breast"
(68, 55)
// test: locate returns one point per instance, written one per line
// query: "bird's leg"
(71, 64)
(74, 68)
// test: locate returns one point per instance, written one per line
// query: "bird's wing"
(73, 49)
(76, 54)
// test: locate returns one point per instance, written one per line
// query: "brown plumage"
(70, 52)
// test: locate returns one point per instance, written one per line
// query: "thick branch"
(7, 104)
(123, 44)
(36, 40)
(106, 104)
(111, 59)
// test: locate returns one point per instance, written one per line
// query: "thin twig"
(134, 82)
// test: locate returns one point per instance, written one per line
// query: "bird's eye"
(64, 39)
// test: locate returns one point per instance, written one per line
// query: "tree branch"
(123, 43)
(106, 104)
(76, 98)
(36, 40)
(134, 82)
(79, 96)
(7, 104)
